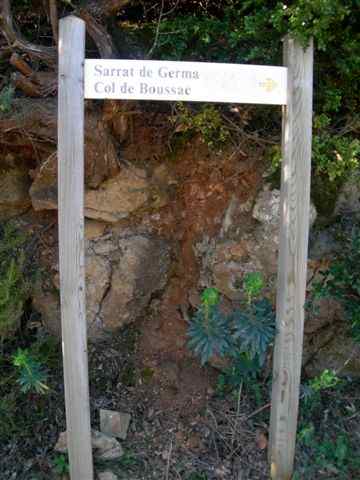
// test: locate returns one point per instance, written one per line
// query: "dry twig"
(17, 42)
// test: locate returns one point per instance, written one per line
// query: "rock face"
(141, 271)
(123, 270)
(113, 200)
(118, 197)
(328, 343)
(14, 193)
(253, 248)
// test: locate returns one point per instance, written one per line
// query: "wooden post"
(294, 230)
(71, 244)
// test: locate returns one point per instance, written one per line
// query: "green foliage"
(61, 465)
(253, 285)
(32, 376)
(334, 156)
(327, 379)
(209, 333)
(14, 286)
(129, 459)
(207, 122)
(210, 297)
(311, 391)
(6, 98)
(22, 371)
(304, 19)
(254, 329)
(243, 336)
(329, 455)
(251, 32)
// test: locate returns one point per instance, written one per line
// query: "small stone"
(115, 424)
(61, 444)
(108, 475)
(104, 446)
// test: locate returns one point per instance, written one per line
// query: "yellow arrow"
(268, 85)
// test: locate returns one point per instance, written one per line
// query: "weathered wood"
(295, 205)
(71, 244)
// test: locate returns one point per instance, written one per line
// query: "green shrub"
(331, 456)
(334, 156)
(242, 336)
(311, 391)
(61, 464)
(32, 376)
(206, 122)
(252, 31)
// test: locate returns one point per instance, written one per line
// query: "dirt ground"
(182, 427)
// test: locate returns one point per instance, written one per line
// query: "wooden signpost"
(289, 86)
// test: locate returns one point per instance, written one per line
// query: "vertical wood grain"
(294, 231)
(71, 244)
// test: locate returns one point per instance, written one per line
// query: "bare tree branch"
(154, 45)
(100, 8)
(53, 13)
(17, 42)
(98, 33)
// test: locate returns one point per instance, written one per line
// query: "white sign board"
(185, 81)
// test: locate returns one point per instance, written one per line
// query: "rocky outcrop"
(113, 200)
(118, 197)
(141, 271)
(123, 270)
(253, 247)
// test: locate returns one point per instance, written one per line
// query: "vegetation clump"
(243, 336)
(251, 32)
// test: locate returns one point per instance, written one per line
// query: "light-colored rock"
(256, 250)
(122, 273)
(14, 193)
(98, 279)
(107, 475)
(231, 262)
(267, 208)
(113, 200)
(115, 424)
(141, 270)
(94, 229)
(118, 197)
(104, 446)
